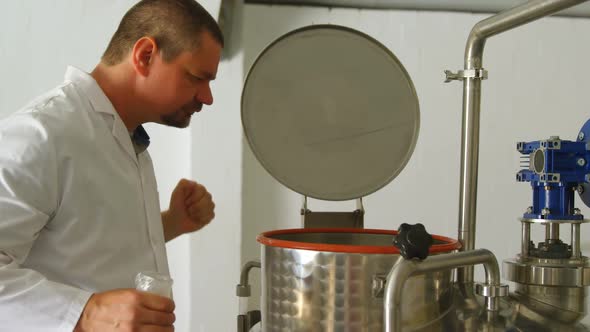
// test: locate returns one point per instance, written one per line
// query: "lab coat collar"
(101, 103)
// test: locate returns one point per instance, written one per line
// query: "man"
(79, 211)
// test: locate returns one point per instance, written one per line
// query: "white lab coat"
(79, 209)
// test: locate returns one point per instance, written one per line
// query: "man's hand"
(127, 310)
(191, 208)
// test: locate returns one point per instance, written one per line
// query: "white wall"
(217, 162)
(537, 88)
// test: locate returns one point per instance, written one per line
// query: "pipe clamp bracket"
(460, 75)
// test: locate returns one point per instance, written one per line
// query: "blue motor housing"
(557, 169)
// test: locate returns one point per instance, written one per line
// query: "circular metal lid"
(330, 112)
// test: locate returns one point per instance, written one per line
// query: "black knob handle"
(413, 241)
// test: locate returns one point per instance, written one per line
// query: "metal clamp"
(491, 290)
(460, 75)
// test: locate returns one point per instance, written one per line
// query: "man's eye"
(195, 78)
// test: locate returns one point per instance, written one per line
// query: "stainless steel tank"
(333, 279)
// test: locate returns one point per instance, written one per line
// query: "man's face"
(180, 88)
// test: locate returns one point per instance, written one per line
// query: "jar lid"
(330, 112)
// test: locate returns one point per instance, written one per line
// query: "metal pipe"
(491, 26)
(551, 232)
(404, 269)
(243, 288)
(423, 5)
(246, 271)
(526, 239)
(576, 253)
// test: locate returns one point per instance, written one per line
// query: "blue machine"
(557, 169)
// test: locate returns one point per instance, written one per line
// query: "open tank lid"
(330, 112)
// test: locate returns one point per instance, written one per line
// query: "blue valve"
(557, 169)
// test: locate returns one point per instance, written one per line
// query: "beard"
(181, 118)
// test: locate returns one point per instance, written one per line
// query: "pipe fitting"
(243, 288)
(404, 269)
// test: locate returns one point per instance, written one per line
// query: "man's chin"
(177, 123)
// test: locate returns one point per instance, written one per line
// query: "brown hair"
(175, 25)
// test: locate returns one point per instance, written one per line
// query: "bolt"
(581, 162)
(580, 189)
(587, 177)
(577, 212)
(581, 136)
(529, 210)
(545, 211)
(547, 187)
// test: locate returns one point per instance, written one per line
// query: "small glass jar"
(154, 282)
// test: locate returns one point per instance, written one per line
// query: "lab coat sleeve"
(29, 196)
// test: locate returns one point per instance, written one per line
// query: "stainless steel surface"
(522, 318)
(330, 112)
(576, 253)
(486, 290)
(565, 304)
(553, 221)
(243, 288)
(526, 239)
(548, 272)
(551, 232)
(469, 6)
(317, 291)
(491, 26)
(404, 269)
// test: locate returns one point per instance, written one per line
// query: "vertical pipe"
(469, 168)
(576, 253)
(551, 232)
(491, 303)
(526, 239)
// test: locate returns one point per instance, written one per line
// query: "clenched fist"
(191, 208)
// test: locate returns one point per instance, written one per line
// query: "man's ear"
(143, 54)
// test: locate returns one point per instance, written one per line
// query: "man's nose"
(204, 96)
